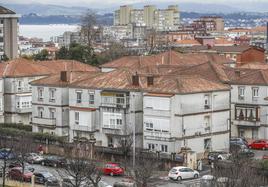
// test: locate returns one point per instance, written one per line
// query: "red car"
(113, 169)
(16, 174)
(259, 144)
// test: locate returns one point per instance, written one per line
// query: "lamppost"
(92, 141)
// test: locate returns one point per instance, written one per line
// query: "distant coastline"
(45, 31)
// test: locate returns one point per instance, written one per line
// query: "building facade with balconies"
(196, 120)
(249, 104)
(99, 108)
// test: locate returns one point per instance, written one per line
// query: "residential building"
(8, 33)
(249, 103)
(149, 16)
(50, 111)
(17, 74)
(239, 54)
(209, 23)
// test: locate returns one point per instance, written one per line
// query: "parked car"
(236, 147)
(240, 140)
(54, 161)
(113, 169)
(217, 155)
(6, 153)
(34, 158)
(181, 172)
(19, 164)
(46, 178)
(259, 144)
(241, 145)
(17, 174)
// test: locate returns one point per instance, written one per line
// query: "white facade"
(107, 115)
(50, 110)
(198, 121)
(18, 99)
(249, 111)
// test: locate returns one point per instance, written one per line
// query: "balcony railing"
(157, 134)
(189, 109)
(24, 110)
(82, 128)
(247, 123)
(44, 121)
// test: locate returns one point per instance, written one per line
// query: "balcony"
(247, 123)
(45, 121)
(156, 135)
(24, 110)
(82, 128)
(191, 109)
(115, 101)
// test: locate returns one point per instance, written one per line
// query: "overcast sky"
(100, 3)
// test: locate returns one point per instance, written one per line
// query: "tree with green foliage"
(63, 53)
(42, 55)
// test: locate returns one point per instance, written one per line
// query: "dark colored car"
(6, 153)
(113, 169)
(259, 144)
(17, 174)
(239, 140)
(19, 164)
(46, 178)
(54, 161)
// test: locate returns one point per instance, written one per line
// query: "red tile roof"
(26, 68)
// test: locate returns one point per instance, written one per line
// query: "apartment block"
(209, 23)
(8, 33)
(149, 16)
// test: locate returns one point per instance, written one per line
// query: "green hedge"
(16, 126)
(42, 137)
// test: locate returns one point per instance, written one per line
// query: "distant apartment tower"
(149, 16)
(210, 23)
(8, 33)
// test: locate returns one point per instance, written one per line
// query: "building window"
(52, 113)
(76, 118)
(52, 94)
(207, 144)
(149, 126)
(1, 21)
(1, 39)
(207, 122)
(164, 148)
(255, 92)
(152, 147)
(241, 93)
(207, 102)
(243, 113)
(78, 97)
(112, 120)
(40, 94)
(19, 88)
(40, 112)
(91, 98)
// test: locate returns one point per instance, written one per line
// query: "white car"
(181, 172)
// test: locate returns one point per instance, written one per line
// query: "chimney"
(135, 80)
(150, 81)
(63, 76)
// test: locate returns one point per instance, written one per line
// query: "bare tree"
(6, 144)
(22, 147)
(125, 145)
(89, 27)
(144, 170)
(239, 171)
(81, 170)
